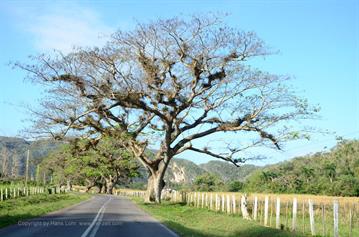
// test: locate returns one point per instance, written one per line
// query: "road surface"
(101, 216)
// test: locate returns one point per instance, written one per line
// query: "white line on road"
(95, 229)
(87, 231)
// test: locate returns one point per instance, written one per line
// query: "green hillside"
(13, 152)
(227, 171)
(330, 173)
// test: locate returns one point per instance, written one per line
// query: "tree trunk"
(68, 185)
(88, 188)
(244, 210)
(155, 184)
(100, 187)
(89, 185)
(103, 188)
(109, 184)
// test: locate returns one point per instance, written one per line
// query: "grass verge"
(14, 210)
(189, 221)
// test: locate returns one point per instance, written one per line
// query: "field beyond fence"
(307, 214)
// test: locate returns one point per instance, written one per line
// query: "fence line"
(309, 216)
(15, 192)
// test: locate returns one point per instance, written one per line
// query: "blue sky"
(318, 43)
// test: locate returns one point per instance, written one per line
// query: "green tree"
(346, 185)
(101, 165)
(235, 186)
(208, 182)
(330, 173)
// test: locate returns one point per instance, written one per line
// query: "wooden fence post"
(260, 211)
(303, 215)
(255, 208)
(294, 218)
(336, 218)
(311, 217)
(277, 214)
(266, 211)
(202, 200)
(233, 204)
(286, 214)
(223, 200)
(1, 195)
(350, 222)
(198, 199)
(211, 202)
(228, 204)
(216, 202)
(323, 219)
(271, 204)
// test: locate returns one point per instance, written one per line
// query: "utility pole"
(27, 167)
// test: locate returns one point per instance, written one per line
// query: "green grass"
(14, 210)
(189, 221)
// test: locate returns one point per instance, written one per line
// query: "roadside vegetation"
(331, 173)
(189, 221)
(14, 210)
(334, 173)
(100, 166)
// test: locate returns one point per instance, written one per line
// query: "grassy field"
(14, 210)
(189, 221)
(323, 211)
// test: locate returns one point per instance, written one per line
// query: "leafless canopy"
(172, 80)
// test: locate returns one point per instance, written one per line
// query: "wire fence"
(307, 214)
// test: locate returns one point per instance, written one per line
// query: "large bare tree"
(169, 83)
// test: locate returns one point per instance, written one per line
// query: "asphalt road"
(101, 216)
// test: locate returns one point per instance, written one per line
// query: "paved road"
(102, 216)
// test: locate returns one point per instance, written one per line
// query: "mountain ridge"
(180, 171)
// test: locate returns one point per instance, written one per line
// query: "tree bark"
(89, 185)
(103, 188)
(155, 183)
(110, 183)
(68, 185)
(244, 210)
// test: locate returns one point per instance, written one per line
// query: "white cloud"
(65, 26)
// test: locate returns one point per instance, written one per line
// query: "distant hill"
(228, 171)
(13, 154)
(180, 171)
(333, 173)
(183, 171)
(330, 173)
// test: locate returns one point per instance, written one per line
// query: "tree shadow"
(251, 231)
